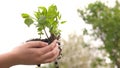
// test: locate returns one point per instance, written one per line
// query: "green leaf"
(40, 29)
(85, 32)
(63, 22)
(52, 8)
(37, 14)
(28, 21)
(44, 10)
(42, 20)
(52, 11)
(59, 16)
(25, 15)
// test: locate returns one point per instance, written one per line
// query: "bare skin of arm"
(30, 53)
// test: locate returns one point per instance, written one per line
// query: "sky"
(14, 32)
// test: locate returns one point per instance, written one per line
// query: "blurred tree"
(106, 26)
(74, 55)
(77, 54)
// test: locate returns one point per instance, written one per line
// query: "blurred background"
(90, 38)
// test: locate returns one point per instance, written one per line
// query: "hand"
(34, 52)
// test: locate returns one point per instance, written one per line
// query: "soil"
(38, 39)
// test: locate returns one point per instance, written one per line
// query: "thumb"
(36, 44)
(54, 42)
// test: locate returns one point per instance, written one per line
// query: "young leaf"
(25, 15)
(63, 22)
(28, 21)
(44, 10)
(37, 14)
(59, 16)
(42, 19)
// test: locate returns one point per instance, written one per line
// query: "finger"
(52, 58)
(36, 44)
(48, 48)
(48, 57)
(54, 42)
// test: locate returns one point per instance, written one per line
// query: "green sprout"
(45, 18)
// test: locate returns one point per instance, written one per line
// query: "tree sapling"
(45, 19)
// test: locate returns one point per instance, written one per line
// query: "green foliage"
(28, 20)
(45, 18)
(106, 26)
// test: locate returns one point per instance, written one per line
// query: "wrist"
(7, 60)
